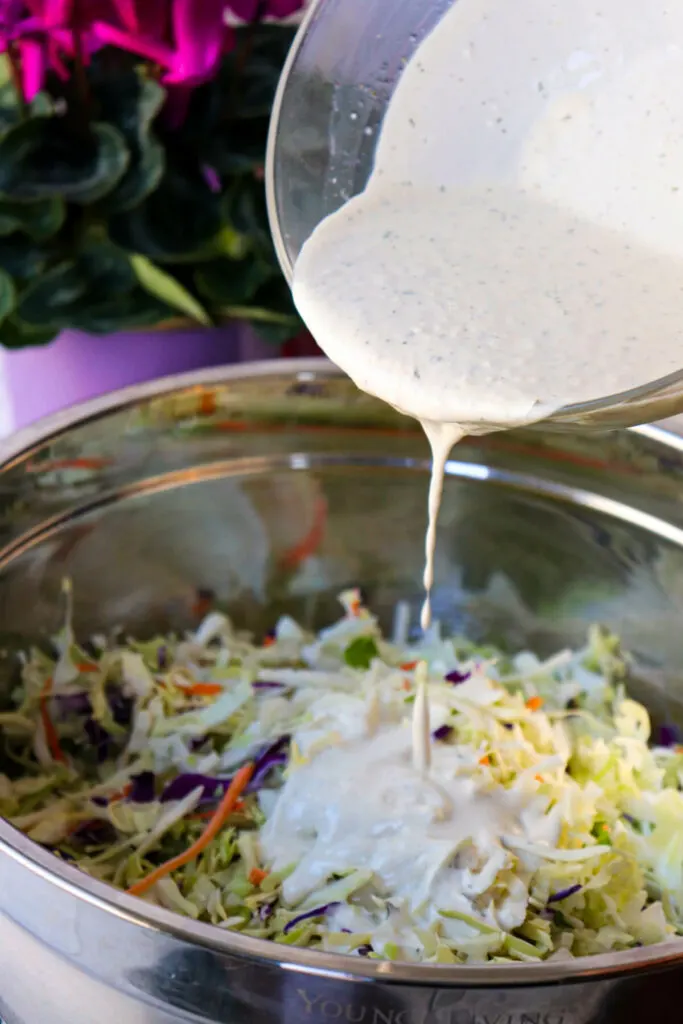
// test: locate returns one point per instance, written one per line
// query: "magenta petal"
(56, 62)
(111, 36)
(249, 10)
(284, 8)
(55, 13)
(153, 19)
(198, 31)
(127, 14)
(11, 14)
(177, 105)
(33, 66)
(245, 10)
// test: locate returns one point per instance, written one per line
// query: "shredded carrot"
(406, 684)
(203, 603)
(294, 556)
(256, 876)
(485, 759)
(205, 815)
(355, 608)
(55, 464)
(51, 734)
(534, 703)
(408, 666)
(207, 403)
(539, 778)
(122, 794)
(87, 666)
(225, 807)
(269, 641)
(201, 689)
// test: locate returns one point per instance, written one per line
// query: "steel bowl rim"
(337, 966)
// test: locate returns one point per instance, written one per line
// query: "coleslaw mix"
(272, 789)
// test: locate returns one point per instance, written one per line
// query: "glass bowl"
(333, 93)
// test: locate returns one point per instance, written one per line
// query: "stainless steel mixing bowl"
(275, 486)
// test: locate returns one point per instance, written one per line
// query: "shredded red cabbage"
(669, 735)
(442, 733)
(364, 950)
(73, 704)
(456, 677)
(563, 894)
(268, 684)
(183, 784)
(120, 705)
(96, 832)
(162, 657)
(142, 788)
(99, 738)
(316, 912)
(266, 911)
(270, 758)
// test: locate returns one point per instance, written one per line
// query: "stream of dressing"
(519, 245)
(442, 438)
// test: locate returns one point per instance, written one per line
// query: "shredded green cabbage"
(116, 758)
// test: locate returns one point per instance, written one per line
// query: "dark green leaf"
(40, 219)
(130, 312)
(48, 302)
(276, 296)
(168, 289)
(228, 282)
(16, 334)
(179, 219)
(239, 147)
(101, 275)
(251, 83)
(270, 310)
(245, 209)
(278, 333)
(360, 652)
(42, 158)
(21, 257)
(10, 111)
(131, 102)
(8, 295)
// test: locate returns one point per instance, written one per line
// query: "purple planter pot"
(76, 367)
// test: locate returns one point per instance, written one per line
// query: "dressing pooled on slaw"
(286, 790)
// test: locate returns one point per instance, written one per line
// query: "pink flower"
(200, 38)
(253, 10)
(80, 14)
(185, 38)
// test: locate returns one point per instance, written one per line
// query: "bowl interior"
(271, 492)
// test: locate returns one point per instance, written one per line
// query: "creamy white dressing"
(422, 739)
(519, 246)
(434, 840)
